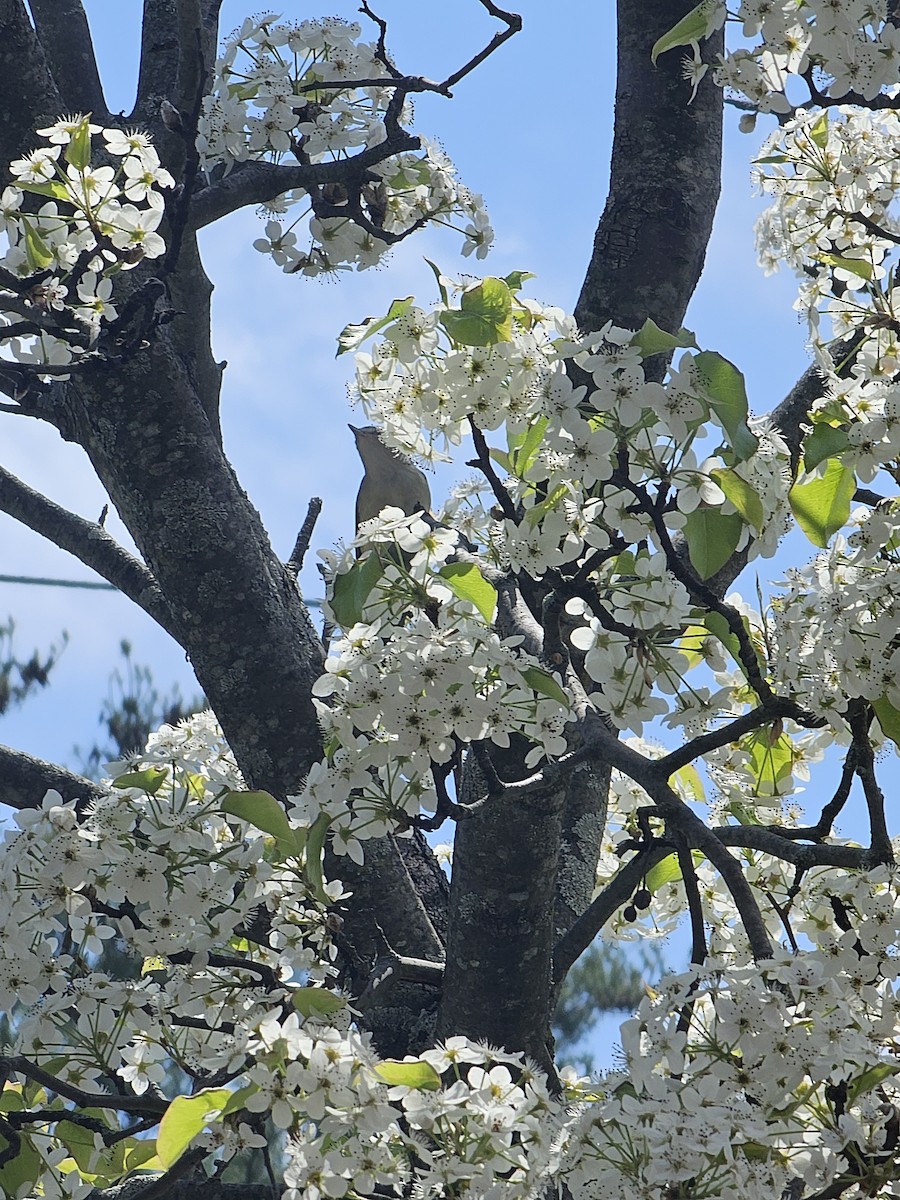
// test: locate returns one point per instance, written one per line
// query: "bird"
(388, 480)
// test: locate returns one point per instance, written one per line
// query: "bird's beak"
(352, 429)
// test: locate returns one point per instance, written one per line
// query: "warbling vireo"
(388, 479)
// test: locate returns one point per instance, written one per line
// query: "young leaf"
(855, 266)
(888, 719)
(690, 644)
(442, 287)
(535, 515)
(484, 316)
(689, 778)
(744, 497)
(37, 252)
(315, 846)
(262, 811)
(821, 503)
(719, 628)
(515, 279)
(419, 1075)
(78, 151)
(667, 870)
(712, 537)
(524, 449)
(723, 386)
(650, 339)
(185, 1117)
(818, 131)
(691, 28)
(54, 189)
(544, 684)
(825, 441)
(352, 336)
(468, 583)
(150, 780)
(316, 1001)
(352, 589)
(771, 760)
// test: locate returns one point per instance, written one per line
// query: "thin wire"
(84, 583)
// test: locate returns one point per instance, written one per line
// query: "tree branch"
(665, 173)
(159, 59)
(28, 95)
(26, 779)
(89, 543)
(259, 182)
(64, 34)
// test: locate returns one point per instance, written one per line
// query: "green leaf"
(54, 189)
(544, 684)
(856, 266)
(515, 279)
(869, 1079)
(351, 590)
(468, 583)
(537, 512)
(712, 537)
(185, 1117)
(821, 502)
(141, 1152)
(238, 1099)
(78, 151)
(22, 1169)
(419, 1075)
(262, 811)
(667, 870)
(690, 642)
(719, 628)
(316, 1001)
(689, 778)
(650, 339)
(80, 1144)
(771, 759)
(691, 28)
(352, 336)
(825, 441)
(440, 281)
(723, 386)
(744, 497)
(150, 780)
(501, 457)
(37, 252)
(818, 131)
(888, 719)
(315, 846)
(523, 450)
(484, 316)
(625, 563)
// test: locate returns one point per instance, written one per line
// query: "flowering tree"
(301, 982)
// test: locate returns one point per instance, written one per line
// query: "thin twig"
(295, 562)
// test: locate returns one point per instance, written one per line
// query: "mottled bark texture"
(664, 179)
(522, 873)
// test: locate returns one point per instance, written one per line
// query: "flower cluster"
(844, 50)
(166, 868)
(405, 690)
(601, 476)
(70, 226)
(308, 92)
(835, 626)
